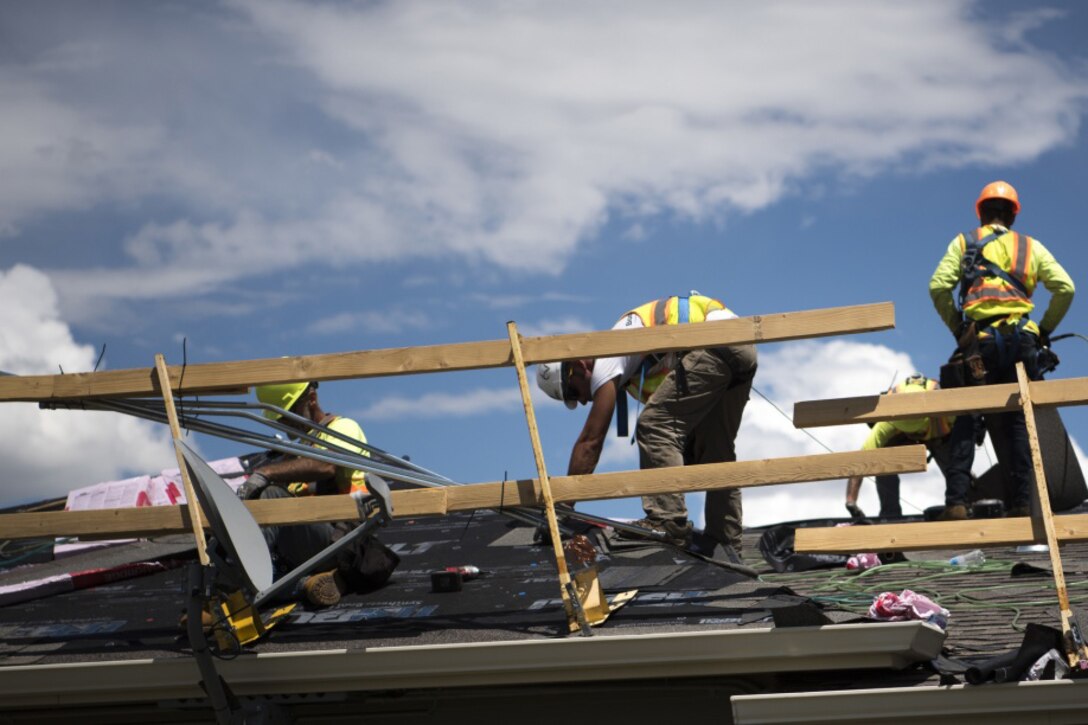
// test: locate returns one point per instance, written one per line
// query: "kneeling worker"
(693, 405)
(932, 431)
(364, 566)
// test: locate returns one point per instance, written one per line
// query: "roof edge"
(1056, 702)
(604, 657)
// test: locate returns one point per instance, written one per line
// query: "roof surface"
(515, 599)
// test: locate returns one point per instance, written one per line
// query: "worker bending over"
(997, 270)
(364, 566)
(933, 431)
(693, 404)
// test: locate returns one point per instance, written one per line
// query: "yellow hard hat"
(283, 396)
(998, 190)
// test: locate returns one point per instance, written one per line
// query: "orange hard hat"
(998, 190)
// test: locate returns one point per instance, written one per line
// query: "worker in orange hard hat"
(365, 565)
(998, 190)
(997, 271)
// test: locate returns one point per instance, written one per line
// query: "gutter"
(605, 657)
(1055, 702)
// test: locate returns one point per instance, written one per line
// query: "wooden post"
(1074, 643)
(175, 434)
(570, 596)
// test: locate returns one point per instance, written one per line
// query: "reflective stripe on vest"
(992, 296)
(347, 480)
(675, 310)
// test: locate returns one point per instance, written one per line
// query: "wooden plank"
(982, 399)
(196, 516)
(526, 492)
(920, 536)
(576, 616)
(1074, 646)
(201, 378)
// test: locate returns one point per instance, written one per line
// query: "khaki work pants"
(699, 427)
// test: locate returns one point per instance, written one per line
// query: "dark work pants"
(293, 545)
(887, 487)
(1000, 364)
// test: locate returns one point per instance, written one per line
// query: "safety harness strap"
(660, 317)
(975, 265)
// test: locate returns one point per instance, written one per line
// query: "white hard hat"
(549, 377)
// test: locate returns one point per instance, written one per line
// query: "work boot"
(324, 589)
(677, 531)
(1018, 511)
(953, 512)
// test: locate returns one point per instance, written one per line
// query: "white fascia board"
(572, 659)
(1055, 702)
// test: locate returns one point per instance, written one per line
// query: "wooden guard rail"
(159, 520)
(932, 535)
(207, 378)
(983, 399)
(212, 377)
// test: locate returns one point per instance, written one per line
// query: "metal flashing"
(618, 657)
(1058, 702)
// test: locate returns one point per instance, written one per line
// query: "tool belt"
(965, 367)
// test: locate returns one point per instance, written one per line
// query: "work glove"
(855, 510)
(1044, 338)
(980, 430)
(253, 486)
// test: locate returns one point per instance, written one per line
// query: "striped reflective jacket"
(675, 310)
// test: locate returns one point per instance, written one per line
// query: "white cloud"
(369, 321)
(508, 300)
(493, 132)
(543, 117)
(47, 453)
(556, 326)
(55, 157)
(444, 405)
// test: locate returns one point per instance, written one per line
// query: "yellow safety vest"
(347, 480)
(991, 296)
(921, 429)
(675, 310)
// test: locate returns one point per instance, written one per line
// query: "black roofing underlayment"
(516, 596)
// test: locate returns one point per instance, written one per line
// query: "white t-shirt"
(607, 368)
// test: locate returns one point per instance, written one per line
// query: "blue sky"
(280, 178)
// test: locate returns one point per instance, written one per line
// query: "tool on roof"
(468, 572)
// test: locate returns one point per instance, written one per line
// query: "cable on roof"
(854, 591)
